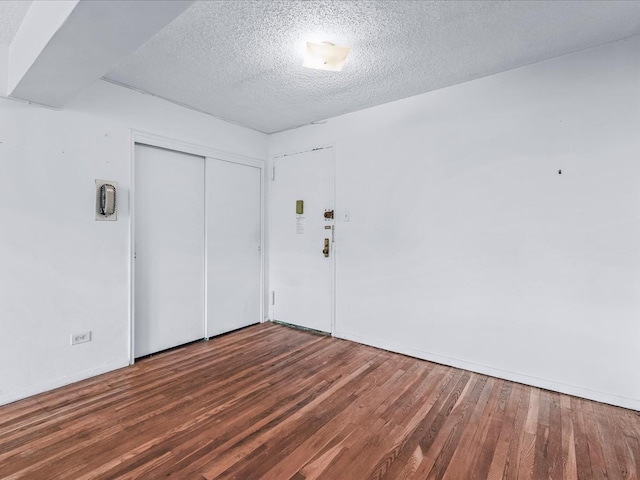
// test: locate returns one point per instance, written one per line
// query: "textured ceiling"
(11, 14)
(241, 60)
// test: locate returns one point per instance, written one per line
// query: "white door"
(233, 246)
(169, 249)
(301, 269)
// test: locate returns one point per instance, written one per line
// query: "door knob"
(325, 250)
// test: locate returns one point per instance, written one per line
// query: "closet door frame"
(152, 140)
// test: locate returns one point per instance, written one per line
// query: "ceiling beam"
(62, 47)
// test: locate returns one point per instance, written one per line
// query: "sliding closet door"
(233, 246)
(169, 249)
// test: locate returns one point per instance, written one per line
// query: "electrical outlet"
(77, 338)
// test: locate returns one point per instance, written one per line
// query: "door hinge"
(273, 297)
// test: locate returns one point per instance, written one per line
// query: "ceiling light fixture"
(325, 56)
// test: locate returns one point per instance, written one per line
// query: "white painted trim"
(60, 382)
(264, 296)
(193, 149)
(304, 150)
(631, 403)
(334, 248)
(266, 286)
(205, 280)
(132, 263)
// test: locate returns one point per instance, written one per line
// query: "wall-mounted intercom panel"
(106, 200)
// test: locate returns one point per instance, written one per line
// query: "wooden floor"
(276, 403)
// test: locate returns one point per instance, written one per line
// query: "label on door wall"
(300, 225)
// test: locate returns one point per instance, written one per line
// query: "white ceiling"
(11, 14)
(241, 60)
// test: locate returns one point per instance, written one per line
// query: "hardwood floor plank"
(554, 445)
(490, 432)
(514, 452)
(526, 451)
(367, 400)
(271, 402)
(316, 468)
(594, 442)
(633, 457)
(507, 421)
(424, 432)
(462, 462)
(541, 461)
(569, 465)
(281, 429)
(583, 456)
(456, 425)
(246, 428)
(430, 435)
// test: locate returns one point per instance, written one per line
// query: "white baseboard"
(631, 403)
(582, 392)
(9, 397)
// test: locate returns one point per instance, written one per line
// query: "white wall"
(466, 246)
(61, 272)
(4, 70)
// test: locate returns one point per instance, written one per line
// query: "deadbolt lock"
(328, 214)
(325, 250)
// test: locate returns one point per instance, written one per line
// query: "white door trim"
(303, 150)
(152, 140)
(192, 148)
